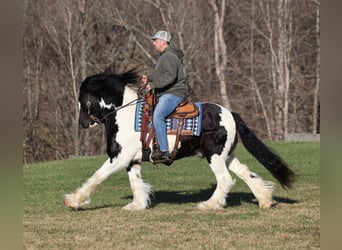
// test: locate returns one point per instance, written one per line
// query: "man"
(168, 83)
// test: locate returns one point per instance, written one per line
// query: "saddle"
(186, 109)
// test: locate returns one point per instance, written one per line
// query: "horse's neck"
(125, 116)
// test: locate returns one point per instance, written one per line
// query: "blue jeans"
(166, 105)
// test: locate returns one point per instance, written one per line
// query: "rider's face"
(159, 45)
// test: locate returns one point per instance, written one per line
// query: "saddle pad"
(191, 126)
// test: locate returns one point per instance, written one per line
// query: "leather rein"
(141, 93)
(116, 109)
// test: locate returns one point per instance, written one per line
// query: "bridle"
(140, 93)
(116, 109)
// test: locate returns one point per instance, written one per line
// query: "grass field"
(173, 222)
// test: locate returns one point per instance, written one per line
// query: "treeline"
(258, 57)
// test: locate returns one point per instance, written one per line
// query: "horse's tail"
(271, 160)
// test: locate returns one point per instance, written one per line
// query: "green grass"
(173, 222)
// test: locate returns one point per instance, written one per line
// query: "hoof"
(70, 204)
(133, 207)
(267, 205)
(70, 201)
(205, 205)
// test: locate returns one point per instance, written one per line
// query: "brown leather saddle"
(186, 109)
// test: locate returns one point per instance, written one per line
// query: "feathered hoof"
(133, 207)
(267, 205)
(69, 203)
(206, 205)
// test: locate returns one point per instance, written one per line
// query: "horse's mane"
(108, 82)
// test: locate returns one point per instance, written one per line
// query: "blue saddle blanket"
(191, 126)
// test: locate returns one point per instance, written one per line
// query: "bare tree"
(220, 48)
(318, 59)
(278, 21)
(33, 84)
(252, 74)
(70, 31)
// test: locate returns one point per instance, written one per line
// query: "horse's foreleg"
(224, 184)
(81, 197)
(261, 189)
(141, 190)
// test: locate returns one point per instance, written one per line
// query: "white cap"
(163, 35)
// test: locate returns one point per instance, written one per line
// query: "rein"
(140, 93)
(99, 120)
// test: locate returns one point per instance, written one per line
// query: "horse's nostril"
(84, 123)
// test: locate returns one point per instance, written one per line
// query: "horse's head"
(100, 95)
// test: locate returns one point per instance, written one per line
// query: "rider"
(168, 83)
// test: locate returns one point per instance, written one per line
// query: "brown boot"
(155, 154)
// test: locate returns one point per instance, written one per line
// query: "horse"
(110, 99)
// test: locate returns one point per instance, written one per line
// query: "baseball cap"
(163, 35)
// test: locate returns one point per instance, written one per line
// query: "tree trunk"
(73, 79)
(252, 80)
(280, 63)
(220, 50)
(83, 63)
(316, 95)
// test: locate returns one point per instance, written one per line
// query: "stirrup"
(155, 155)
(161, 157)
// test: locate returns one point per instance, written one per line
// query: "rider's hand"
(148, 87)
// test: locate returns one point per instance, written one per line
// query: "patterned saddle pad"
(191, 126)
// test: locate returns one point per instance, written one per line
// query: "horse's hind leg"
(141, 190)
(261, 189)
(224, 184)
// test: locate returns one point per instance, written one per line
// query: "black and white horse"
(107, 99)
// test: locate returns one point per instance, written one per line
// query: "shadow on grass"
(94, 208)
(181, 197)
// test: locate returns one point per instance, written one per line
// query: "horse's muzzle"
(84, 121)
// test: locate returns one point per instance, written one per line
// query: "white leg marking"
(261, 189)
(131, 150)
(141, 190)
(224, 185)
(81, 197)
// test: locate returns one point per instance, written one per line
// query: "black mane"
(108, 85)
